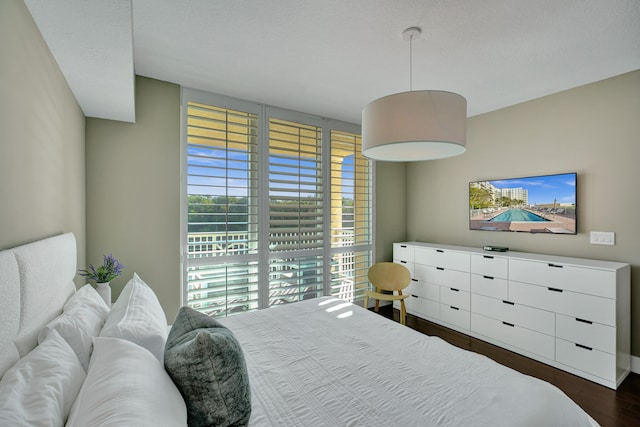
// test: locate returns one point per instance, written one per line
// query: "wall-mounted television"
(535, 204)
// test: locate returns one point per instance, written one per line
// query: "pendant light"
(415, 125)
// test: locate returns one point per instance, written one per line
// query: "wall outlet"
(603, 238)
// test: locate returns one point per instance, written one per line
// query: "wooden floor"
(608, 407)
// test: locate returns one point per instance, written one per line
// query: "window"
(351, 216)
(295, 211)
(278, 206)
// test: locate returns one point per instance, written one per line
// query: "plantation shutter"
(222, 211)
(351, 216)
(295, 211)
(278, 206)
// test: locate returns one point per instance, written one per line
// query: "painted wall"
(391, 207)
(42, 130)
(133, 192)
(593, 130)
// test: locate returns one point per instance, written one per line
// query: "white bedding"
(321, 362)
(324, 362)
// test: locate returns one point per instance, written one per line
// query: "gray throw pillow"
(206, 363)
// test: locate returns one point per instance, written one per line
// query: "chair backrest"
(389, 276)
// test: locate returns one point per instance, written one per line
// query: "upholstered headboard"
(36, 279)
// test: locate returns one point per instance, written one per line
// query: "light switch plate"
(603, 238)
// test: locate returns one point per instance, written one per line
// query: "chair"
(388, 276)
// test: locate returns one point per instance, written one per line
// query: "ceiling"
(332, 57)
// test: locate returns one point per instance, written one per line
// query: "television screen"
(536, 204)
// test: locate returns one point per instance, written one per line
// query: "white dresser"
(570, 313)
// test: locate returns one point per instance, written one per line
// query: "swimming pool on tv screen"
(517, 215)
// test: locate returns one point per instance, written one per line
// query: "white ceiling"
(92, 41)
(332, 57)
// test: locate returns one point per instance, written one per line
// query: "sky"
(235, 182)
(544, 189)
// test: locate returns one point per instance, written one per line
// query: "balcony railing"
(222, 289)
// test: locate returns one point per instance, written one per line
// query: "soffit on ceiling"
(92, 42)
(332, 57)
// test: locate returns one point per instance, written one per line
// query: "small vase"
(105, 292)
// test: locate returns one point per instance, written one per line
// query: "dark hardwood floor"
(608, 407)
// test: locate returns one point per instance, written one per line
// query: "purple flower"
(109, 270)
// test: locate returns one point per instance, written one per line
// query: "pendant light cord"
(410, 34)
(411, 63)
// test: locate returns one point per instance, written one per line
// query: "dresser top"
(580, 262)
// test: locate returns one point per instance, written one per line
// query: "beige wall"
(133, 192)
(593, 130)
(391, 208)
(42, 169)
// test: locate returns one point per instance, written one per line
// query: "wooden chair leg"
(377, 305)
(403, 313)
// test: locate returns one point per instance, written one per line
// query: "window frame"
(264, 113)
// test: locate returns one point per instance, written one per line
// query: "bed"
(321, 362)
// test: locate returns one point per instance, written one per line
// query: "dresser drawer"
(589, 360)
(455, 316)
(578, 279)
(422, 272)
(516, 314)
(489, 265)
(403, 252)
(407, 264)
(455, 297)
(421, 307)
(448, 259)
(444, 277)
(594, 335)
(423, 289)
(516, 336)
(490, 286)
(588, 307)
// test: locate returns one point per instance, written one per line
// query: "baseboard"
(635, 364)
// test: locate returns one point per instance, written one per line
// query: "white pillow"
(87, 295)
(78, 325)
(41, 387)
(138, 317)
(126, 386)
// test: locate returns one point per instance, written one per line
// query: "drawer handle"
(510, 324)
(440, 250)
(588, 322)
(414, 280)
(403, 246)
(403, 262)
(454, 308)
(554, 265)
(487, 256)
(555, 289)
(455, 290)
(488, 277)
(414, 296)
(508, 302)
(440, 268)
(584, 347)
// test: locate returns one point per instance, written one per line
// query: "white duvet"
(324, 362)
